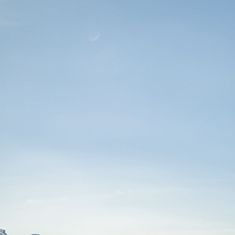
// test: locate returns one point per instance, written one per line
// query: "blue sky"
(117, 117)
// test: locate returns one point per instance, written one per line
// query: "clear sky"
(117, 117)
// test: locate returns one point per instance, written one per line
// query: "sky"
(117, 117)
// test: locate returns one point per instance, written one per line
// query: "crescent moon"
(94, 36)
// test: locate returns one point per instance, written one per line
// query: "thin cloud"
(45, 201)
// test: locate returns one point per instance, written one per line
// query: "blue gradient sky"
(117, 117)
